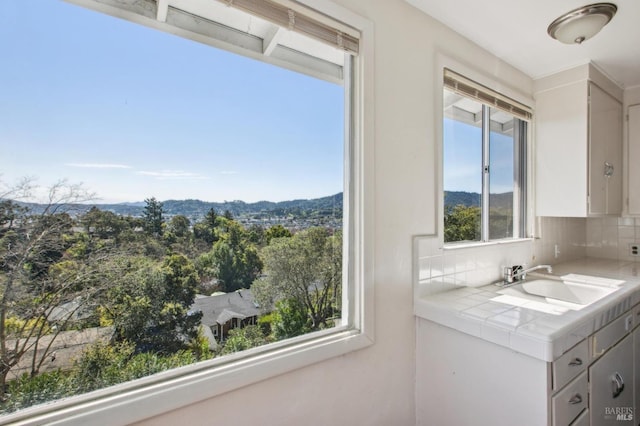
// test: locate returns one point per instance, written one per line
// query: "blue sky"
(132, 113)
(463, 159)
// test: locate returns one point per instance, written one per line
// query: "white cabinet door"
(611, 383)
(578, 151)
(605, 153)
(633, 162)
(561, 161)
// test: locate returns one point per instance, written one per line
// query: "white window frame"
(444, 62)
(167, 391)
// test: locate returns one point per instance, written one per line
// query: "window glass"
(462, 168)
(162, 202)
(483, 169)
(501, 183)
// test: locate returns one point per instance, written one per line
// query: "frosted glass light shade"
(582, 24)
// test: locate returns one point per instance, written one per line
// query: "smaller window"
(484, 164)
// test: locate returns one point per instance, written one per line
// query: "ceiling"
(516, 32)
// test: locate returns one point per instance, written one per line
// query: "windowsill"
(476, 244)
(154, 395)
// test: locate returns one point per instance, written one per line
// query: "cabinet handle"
(617, 385)
(575, 399)
(575, 361)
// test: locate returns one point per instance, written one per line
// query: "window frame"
(519, 175)
(524, 169)
(170, 390)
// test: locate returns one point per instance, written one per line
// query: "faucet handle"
(517, 270)
(511, 273)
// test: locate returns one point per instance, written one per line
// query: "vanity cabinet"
(578, 144)
(462, 378)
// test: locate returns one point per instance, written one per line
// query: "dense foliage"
(462, 220)
(64, 269)
(461, 223)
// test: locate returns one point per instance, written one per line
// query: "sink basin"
(578, 293)
(562, 293)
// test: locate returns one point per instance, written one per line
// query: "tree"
(35, 279)
(206, 230)
(289, 319)
(256, 235)
(307, 269)
(102, 224)
(150, 304)
(461, 223)
(276, 231)
(235, 260)
(179, 226)
(178, 237)
(235, 268)
(241, 339)
(211, 218)
(153, 217)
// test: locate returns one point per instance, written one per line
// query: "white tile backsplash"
(611, 238)
(441, 269)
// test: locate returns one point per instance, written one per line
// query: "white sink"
(579, 293)
(567, 294)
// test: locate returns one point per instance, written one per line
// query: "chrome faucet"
(517, 272)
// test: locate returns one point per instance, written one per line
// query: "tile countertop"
(542, 335)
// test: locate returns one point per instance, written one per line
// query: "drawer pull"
(617, 385)
(575, 361)
(576, 399)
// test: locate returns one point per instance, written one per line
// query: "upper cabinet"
(633, 160)
(578, 144)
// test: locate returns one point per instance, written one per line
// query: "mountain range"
(195, 209)
(468, 199)
(304, 208)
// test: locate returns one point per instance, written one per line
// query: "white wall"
(374, 386)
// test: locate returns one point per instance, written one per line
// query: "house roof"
(220, 309)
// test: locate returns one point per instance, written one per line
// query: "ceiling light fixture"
(583, 23)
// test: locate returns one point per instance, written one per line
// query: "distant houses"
(224, 312)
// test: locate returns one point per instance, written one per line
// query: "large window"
(121, 256)
(484, 164)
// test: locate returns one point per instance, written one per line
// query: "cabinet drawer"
(570, 364)
(609, 335)
(570, 401)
